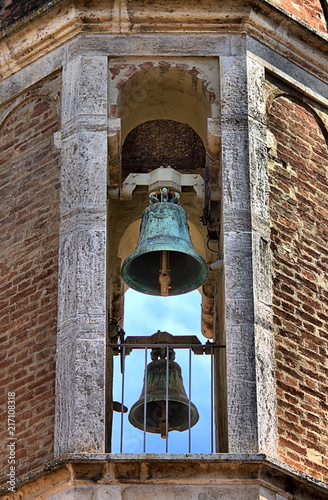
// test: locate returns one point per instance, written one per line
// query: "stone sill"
(177, 469)
(166, 457)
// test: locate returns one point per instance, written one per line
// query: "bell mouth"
(164, 230)
(140, 271)
(181, 413)
(178, 415)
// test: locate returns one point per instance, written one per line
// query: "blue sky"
(179, 315)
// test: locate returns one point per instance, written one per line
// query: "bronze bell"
(164, 261)
(178, 404)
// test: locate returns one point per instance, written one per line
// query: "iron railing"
(130, 380)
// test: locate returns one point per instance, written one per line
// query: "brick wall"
(298, 173)
(29, 177)
(310, 11)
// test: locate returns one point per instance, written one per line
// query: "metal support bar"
(196, 348)
(122, 398)
(145, 404)
(159, 178)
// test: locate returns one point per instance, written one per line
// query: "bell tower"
(164, 148)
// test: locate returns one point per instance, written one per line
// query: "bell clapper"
(164, 274)
(162, 424)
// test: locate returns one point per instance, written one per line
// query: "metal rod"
(122, 399)
(173, 346)
(145, 404)
(212, 399)
(164, 274)
(189, 405)
(167, 402)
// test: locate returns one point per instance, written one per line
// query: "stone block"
(234, 93)
(82, 275)
(256, 90)
(84, 168)
(187, 492)
(84, 87)
(238, 265)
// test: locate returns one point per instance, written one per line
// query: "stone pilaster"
(262, 272)
(250, 383)
(80, 384)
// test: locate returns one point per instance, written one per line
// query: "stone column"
(80, 384)
(262, 272)
(246, 253)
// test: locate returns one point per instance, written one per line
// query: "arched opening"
(163, 113)
(164, 92)
(147, 147)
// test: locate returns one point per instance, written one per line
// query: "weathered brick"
(29, 198)
(299, 251)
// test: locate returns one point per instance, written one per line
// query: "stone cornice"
(62, 20)
(198, 469)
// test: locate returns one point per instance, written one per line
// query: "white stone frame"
(250, 380)
(249, 335)
(80, 412)
(81, 344)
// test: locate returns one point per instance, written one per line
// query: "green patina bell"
(164, 261)
(181, 414)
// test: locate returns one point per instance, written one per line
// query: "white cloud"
(179, 315)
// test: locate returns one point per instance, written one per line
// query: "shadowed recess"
(162, 142)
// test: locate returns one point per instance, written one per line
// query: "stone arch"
(180, 91)
(298, 200)
(165, 92)
(162, 91)
(30, 168)
(25, 98)
(22, 121)
(295, 125)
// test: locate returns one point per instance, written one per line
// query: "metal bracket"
(160, 178)
(159, 339)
